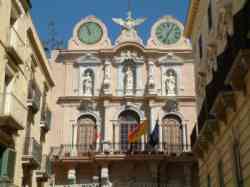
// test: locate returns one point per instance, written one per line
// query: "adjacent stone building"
(25, 85)
(104, 90)
(220, 34)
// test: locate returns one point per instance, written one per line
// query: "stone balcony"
(32, 155)
(11, 115)
(113, 151)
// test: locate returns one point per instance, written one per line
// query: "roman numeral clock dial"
(168, 33)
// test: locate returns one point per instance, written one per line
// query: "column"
(74, 140)
(107, 135)
(120, 86)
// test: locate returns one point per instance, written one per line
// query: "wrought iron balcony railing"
(120, 148)
(132, 184)
(13, 112)
(32, 155)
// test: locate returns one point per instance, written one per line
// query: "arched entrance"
(86, 133)
(128, 120)
(172, 134)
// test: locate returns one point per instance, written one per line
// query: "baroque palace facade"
(220, 33)
(103, 90)
(25, 86)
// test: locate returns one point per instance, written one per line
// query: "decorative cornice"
(88, 58)
(77, 99)
(170, 58)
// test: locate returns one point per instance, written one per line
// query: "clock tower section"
(90, 34)
(167, 33)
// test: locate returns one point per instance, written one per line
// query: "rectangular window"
(210, 16)
(237, 165)
(221, 174)
(200, 47)
(209, 181)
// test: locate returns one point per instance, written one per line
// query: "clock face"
(168, 33)
(90, 33)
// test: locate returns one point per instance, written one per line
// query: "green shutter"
(49, 118)
(2, 149)
(8, 163)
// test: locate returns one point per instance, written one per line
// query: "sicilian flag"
(154, 136)
(135, 134)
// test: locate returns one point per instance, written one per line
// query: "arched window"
(128, 120)
(88, 83)
(171, 82)
(86, 133)
(172, 134)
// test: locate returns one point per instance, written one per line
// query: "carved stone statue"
(107, 79)
(151, 80)
(87, 84)
(107, 72)
(129, 23)
(129, 81)
(129, 32)
(170, 84)
(151, 74)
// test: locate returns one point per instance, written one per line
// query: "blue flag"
(154, 136)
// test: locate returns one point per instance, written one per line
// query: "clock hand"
(89, 32)
(170, 30)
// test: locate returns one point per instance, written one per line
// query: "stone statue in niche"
(151, 81)
(170, 83)
(107, 72)
(129, 81)
(107, 78)
(87, 84)
(151, 74)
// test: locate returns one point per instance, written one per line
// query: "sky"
(66, 14)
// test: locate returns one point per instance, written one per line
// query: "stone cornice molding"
(88, 58)
(170, 58)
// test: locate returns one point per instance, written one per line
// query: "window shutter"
(49, 118)
(8, 163)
